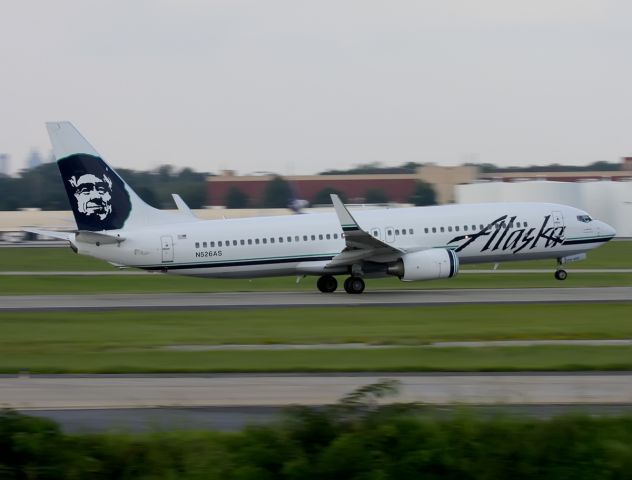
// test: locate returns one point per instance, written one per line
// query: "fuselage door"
(557, 219)
(167, 248)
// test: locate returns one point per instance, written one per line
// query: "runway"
(208, 301)
(260, 390)
(231, 419)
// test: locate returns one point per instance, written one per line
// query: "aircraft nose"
(606, 230)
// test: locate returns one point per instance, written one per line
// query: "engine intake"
(429, 264)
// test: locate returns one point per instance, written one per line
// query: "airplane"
(417, 243)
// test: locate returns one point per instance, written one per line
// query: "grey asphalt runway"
(230, 419)
(54, 392)
(306, 299)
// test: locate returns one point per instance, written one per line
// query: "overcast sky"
(302, 86)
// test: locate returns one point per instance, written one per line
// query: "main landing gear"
(354, 285)
(328, 284)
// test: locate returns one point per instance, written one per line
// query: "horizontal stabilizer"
(50, 233)
(95, 237)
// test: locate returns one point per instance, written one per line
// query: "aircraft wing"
(360, 244)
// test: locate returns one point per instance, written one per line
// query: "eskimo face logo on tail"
(97, 195)
(93, 194)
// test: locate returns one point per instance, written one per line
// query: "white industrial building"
(606, 200)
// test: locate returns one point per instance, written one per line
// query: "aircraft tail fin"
(99, 197)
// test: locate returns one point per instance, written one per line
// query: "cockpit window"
(584, 218)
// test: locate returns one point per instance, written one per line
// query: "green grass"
(47, 259)
(125, 341)
(538, 358)
(31, 285)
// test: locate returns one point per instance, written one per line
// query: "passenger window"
(320, 236)
(411, 231)
(456, 228)
(449, 229)
(250, 241)
(297, 238)
(242, 242)
(335, 236)
(289, 238)
(197, 244)
(442, 229)
(434, 229)
(328, 237)
(256, 241)
(390, 232)
(271, 239)
(481, 225)
(212, 244)
(473, 227)
(234, 243)
(264, 240)
(426, 230)
(228, 243)
(313, 237)
(396, 231)
(465, 228)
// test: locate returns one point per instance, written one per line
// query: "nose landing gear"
(561, 274)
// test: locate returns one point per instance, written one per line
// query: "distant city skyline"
(301, 87)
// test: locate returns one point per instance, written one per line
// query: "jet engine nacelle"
(426, 265)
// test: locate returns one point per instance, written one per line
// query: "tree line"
(42, 187)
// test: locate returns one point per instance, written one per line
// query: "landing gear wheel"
(561, 274)
(354, 285)
(327, 284)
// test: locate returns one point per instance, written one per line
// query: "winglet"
(182, 206)
(347, 221)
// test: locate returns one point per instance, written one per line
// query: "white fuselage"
(305, 244)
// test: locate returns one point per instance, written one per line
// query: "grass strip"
(31, 285)
(405, 359)
(90, 331)
(131, 341)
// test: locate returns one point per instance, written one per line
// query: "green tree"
(277, 193)
(235, 198)
(323, 197)
(423, 194)
(375, 195)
